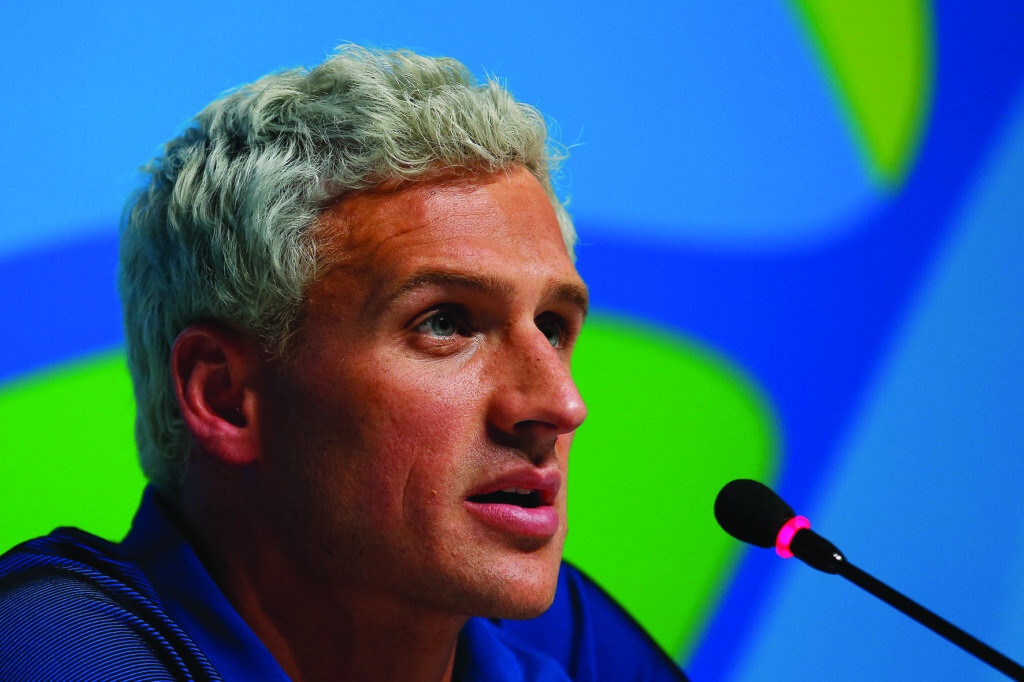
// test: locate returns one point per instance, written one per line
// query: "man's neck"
(318, 630)
(364, 643)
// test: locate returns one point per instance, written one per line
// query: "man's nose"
(537, 395)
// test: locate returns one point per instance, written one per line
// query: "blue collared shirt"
(73, 606)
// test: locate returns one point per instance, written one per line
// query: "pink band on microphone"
(786, 534)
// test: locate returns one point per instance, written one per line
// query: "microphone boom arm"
(819, 553)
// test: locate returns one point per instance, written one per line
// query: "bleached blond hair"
(222, 230)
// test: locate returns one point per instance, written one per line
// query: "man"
(350, 306)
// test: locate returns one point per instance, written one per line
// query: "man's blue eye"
(439, 324)
(552, 331)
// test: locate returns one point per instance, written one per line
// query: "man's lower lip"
(538, 522)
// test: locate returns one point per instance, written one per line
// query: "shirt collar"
(486, 653)
(193, 599)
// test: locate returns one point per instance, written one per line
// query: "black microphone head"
(750, 511)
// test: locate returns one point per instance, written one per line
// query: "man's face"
(431, 373)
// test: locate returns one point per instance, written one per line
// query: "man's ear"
(215, 371)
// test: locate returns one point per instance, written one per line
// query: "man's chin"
(522, 610)
(520, 597)
(494, 580)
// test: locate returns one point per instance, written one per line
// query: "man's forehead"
(417, 217)
(361, 220)
(493, 234)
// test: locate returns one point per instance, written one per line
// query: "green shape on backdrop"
(879, 57)
(67, 451)
(669, 425)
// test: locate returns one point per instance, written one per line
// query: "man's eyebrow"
(565, 292)
(571, 293)
(487, 284)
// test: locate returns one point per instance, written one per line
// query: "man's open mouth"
(519, 497)
(520, 503)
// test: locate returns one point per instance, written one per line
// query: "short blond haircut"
(222, 229)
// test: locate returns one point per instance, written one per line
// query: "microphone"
(751, 512)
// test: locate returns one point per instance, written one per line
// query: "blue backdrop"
(831, 199)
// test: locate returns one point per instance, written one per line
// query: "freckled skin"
(377, 430)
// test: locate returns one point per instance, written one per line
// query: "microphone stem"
(931, 620)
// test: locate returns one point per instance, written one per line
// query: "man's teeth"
(528, 498)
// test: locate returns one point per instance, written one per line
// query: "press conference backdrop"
(801, 222)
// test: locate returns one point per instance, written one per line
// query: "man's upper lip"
(547, 482)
